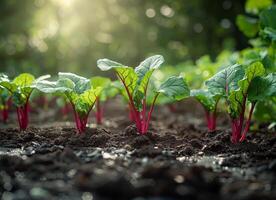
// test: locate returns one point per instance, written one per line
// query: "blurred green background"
(47, 36)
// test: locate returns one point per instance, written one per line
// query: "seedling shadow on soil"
(172, 161)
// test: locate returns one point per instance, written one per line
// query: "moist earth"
(176, 159)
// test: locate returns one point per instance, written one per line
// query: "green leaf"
(82, 97)
(126, 74)
(145, 70)
(106, 64)
(237, 97)
(268, 33)
(207, 99)
(24, 80)
(4, 96)
(265, 111)
(248, 25)
(62, 85)
(175, 87)
(254, 6)
(262, 87)
(84, 102)
(268, 17)
(147, 66)
(4, 77)
(225, 81)
(81, 84)
(109, 90)
(98, 81)
(20, 88)
(128, 77)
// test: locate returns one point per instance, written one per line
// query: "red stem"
(22, 116)
(236, 130)
(81, 122)
(145, 129)
(211, 120)
(247, 126)
(136, 113)
(130, 114)
(99, 112)
(5, 114)
(5, 111)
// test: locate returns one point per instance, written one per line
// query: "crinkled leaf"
(62, 85)
(128, 77)
(148, 65)
(262, 87)
(84, 102)
(225, 81)
(237, 97)
(81, 84)
(174, 87)
(207, 99)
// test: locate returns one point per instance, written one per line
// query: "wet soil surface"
(174, 160)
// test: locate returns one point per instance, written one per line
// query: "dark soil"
(176, 159)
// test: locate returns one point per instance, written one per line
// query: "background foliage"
(47, 36)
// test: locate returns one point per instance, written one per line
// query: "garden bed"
(174, 160)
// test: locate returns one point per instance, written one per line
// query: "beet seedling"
(240, 85)
(209, 103)
(21, 89)
(78, 90)
(136, 83)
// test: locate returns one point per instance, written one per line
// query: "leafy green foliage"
(174, 87)
(78, 90)
(265, 111)
(136, 83)
(262, 88)
(248, 25)
(109, 89)
(239, 84)
(237, 98)
(225, 81)
(207, 99)
(21, 87)
(255, 6)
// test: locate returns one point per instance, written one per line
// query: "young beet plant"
(241, 85)
(209, 103)
(108, 91)
(20, 90)
(136, 83)
(78, 90)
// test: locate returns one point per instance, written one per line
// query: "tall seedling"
(136, 83)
